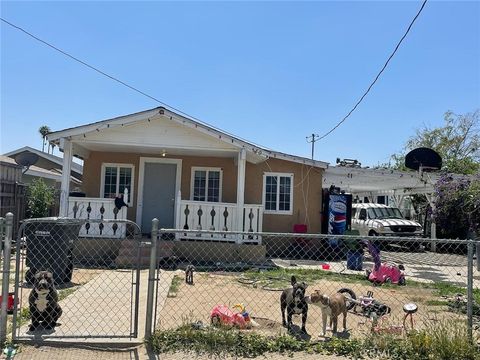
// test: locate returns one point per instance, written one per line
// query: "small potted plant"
(354, 251)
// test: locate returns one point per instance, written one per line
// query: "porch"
(189, 215)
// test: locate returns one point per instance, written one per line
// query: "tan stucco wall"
(306, 205)
(307, 194)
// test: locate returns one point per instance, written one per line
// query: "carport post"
(7, 247)
(151, 279)
(470, 290)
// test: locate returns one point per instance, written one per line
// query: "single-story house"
(187, 174)
(48, 167)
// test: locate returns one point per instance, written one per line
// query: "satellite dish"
(26, 160)
(423, 159)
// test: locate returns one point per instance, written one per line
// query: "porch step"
(128, 256)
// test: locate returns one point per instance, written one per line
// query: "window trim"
(206, 169)
(278, 175)
(118, 166)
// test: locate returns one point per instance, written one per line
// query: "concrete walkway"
(102, 310)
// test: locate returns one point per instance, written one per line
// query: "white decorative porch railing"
(199, 215)
(97, 209)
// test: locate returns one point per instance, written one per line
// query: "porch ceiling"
(83, 148)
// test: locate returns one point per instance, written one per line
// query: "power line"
(121, 82)
(378, 75)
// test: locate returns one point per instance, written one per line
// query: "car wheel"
(414, 246)
(402, 281)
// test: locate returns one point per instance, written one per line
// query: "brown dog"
(331, 306)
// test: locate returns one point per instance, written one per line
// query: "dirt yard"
(192, 303)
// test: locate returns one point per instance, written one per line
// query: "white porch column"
(242, 160)
(178, 209)
(66, 169)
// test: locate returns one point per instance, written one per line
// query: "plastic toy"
(409, 309)
(222, 315)
(379, 326)
(364, 305)
(384, 272)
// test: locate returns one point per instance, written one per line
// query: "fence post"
(6, 276)
(470, 290)
(477, 246)
(151, 279)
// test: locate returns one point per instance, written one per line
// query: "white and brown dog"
(331, 306)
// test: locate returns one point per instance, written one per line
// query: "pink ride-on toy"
(386, 272)
(221, 315)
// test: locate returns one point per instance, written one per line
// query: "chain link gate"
(96, 268)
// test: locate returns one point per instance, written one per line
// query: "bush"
(40, 198)
(457, 206)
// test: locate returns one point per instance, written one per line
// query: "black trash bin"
(49, 247)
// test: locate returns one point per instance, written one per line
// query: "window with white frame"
(116, 178)
(278, 193)
(206, 184)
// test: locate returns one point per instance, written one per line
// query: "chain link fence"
(390, 285)
(71, 286)
(109, 282)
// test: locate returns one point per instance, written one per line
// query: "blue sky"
(269, 72)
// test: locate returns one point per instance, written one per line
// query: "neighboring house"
(12, 190)
(48, 167)
(14, 183)
(188, 175)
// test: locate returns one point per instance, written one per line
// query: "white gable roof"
(166, 127)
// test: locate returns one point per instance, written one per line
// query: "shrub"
(40, 198)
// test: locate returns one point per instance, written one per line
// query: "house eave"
(258, 152)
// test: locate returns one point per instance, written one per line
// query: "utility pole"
(312, 139)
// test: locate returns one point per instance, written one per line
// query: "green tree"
(44, 130)
(457, 142)
(40, 198)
